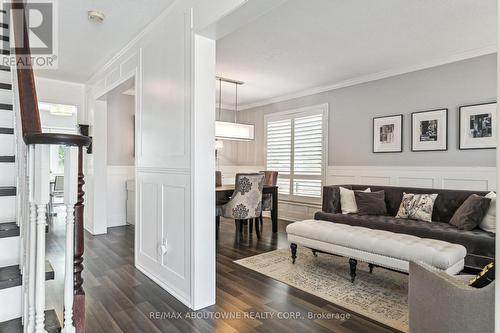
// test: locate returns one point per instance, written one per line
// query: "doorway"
(112, 163)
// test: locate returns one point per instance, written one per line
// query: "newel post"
(79, 294)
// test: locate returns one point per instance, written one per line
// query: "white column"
(41, 199)
(70, 197)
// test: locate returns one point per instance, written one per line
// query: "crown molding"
(375, 76)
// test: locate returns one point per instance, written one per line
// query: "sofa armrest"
(331, 198)
(439, 302)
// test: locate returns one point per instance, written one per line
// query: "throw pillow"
(371, 203)
(470, 214)
(484, 278)
(417, 206)
(347, 201)
(489, 220)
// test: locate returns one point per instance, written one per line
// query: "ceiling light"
(225, 130)
(95, 16)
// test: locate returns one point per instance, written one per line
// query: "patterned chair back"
(246, 202)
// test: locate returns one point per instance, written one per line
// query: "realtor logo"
(32, 29)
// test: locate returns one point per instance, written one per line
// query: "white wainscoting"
(459, 178)
(455, 178)
(163, 228)
(117, 193)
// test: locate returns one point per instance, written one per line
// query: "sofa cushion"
(477, 241)
(447, 201)
(490, 220)
(417, 206)
(370, 203)
(470, 214)
(348, 201)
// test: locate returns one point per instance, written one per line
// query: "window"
(296, 148)
(58, 118)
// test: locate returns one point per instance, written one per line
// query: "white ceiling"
(85, 46)
(304, 44)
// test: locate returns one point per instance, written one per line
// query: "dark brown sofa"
(480, 244)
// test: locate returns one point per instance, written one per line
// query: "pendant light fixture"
(225, 130)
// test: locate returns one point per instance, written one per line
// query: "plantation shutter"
(295, 147)
(279, 151)
(308, 155)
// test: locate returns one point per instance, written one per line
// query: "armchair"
(439, 302)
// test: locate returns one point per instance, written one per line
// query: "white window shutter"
(295, 148)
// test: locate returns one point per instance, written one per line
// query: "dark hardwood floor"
(122, 299)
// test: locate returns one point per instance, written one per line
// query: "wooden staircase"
(24, 193)
(11, 278)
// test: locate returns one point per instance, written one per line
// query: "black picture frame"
(401, 134)
(446, 111)
(460, 139)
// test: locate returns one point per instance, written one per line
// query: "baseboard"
(116, 220)
(168, 289)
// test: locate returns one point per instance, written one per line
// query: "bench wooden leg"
(293, 247)
(371, 267)
(352, 265)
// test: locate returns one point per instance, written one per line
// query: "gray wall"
(120, 110)
(352, 109)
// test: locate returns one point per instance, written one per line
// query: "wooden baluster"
(79, 299)
(41, 199)
(70, 197)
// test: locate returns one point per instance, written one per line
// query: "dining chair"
(218, 205)
(270, 179)
(56, 191)
(246, 201)
(218, 178)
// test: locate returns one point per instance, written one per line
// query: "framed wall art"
(478, 126)
(388, 134)
(429, 130)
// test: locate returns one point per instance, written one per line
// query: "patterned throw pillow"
(417, 206)
(484, 278)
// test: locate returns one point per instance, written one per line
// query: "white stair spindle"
(70, 198)
(41, 199)
(30, 327)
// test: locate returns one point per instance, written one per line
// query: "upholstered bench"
(376, 247)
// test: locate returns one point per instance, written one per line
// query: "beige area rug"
(381, 296)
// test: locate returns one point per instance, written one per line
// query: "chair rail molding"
(459, 177)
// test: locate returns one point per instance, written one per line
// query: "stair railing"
(33, 163)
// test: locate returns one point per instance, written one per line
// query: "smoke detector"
(95, 16)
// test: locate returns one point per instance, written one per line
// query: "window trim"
(322, 109)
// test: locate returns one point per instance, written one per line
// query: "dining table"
(224, 193)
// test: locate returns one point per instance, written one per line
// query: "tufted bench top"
(439, 254)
